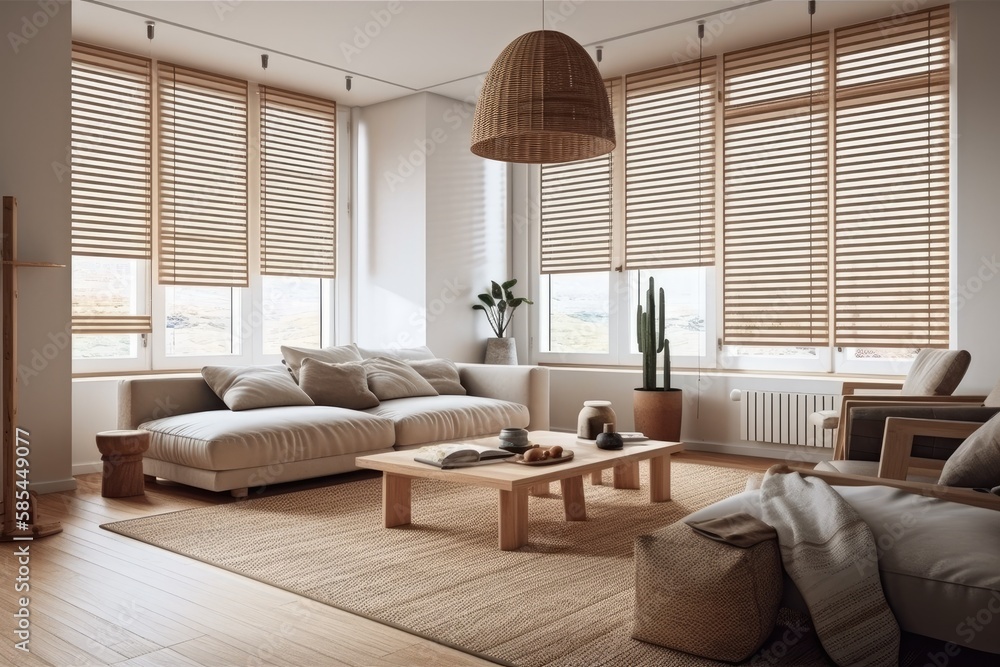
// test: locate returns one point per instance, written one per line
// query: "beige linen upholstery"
(336, 385)
(527, 385)
(828, 419)
(391, 378)
(403, 353)
(976, 462)
(937, 559)
(225, 440)
(936, 372)
(441, 373)
(293, 356)
(252, 387)
(426, 419)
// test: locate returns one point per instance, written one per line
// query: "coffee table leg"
(540, 489)
(627, 475)
(597, 477)
(395, 500)
(574, 504)
(513, 519)
(659, 479)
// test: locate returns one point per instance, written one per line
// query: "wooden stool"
(121, 452)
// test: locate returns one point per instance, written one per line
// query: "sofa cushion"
(441, 373)
(401, 353)
(435, 418)
(936, 372)
(252, 387)
(976, 462)
(937, 559)
(224, 440)
(336, 385)
(293, 356)
(392, 378)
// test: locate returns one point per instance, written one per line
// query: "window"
(111, 203)
(801, 186)
(181, 171)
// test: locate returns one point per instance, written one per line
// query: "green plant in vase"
(499, 305)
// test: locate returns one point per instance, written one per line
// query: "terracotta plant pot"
(658, 413)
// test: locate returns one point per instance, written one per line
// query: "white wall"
(95, 409)
(976, 165)
(466, 232)
(34, 136)
(432, 227)
(390, 222)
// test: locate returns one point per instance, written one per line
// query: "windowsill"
(125, 375)
(731, 372)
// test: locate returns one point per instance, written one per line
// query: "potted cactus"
(499, 305)
(657, 410)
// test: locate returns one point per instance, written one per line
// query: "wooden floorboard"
(100, 598)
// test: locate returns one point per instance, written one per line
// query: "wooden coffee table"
(515, 482)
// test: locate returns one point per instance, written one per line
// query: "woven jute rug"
(567, 598)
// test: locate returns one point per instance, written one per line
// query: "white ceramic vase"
(501, 351)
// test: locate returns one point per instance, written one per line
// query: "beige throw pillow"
(976, 462)
(441, 373)
(293, 356)
(404, 353)
(336, 385)
(252, 387)
(392, 378)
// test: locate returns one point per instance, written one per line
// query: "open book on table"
(460, 455)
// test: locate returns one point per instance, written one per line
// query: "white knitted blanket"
(826, 548)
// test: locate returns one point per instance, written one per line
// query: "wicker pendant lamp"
(543, 102)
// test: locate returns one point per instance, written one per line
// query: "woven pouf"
(121, 452)
(704, 597)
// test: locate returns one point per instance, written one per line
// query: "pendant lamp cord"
(812, 10)
(701, 155)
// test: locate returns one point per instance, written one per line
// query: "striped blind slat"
(576, 210)
(111, 108)
(111, 151)
(298, 169)
(776, 222)
(202, 177)
(670, 166)
(891, 236)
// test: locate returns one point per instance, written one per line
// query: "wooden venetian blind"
(670, 166)
(892, 180)
(776, 226)
(202, 178)
(576, 210)
(298, 184)
(111, 165)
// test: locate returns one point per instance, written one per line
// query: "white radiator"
(783, 417)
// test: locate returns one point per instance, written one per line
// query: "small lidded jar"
(593, 417)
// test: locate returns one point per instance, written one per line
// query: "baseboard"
(86, 468)
(787, 453)
(54, 486)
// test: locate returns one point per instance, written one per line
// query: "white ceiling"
(441, 46)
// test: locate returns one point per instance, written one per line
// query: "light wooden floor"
(99, 598)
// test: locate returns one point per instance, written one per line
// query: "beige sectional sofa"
(196, 440)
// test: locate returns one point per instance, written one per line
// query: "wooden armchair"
(933, 377)
(897, 462)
